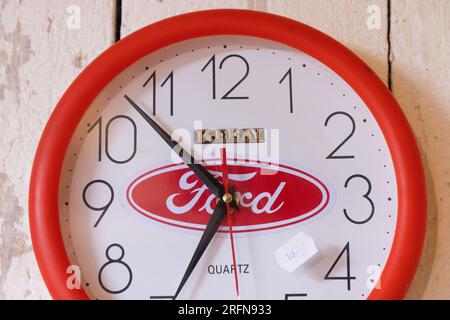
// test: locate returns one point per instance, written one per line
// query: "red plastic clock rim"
(44, 187)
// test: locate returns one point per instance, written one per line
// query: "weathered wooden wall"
(420, 42)
(42, 49)
(41, 52)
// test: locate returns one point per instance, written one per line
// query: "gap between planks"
(118, 18)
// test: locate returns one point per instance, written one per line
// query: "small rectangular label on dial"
(296, 252)
(230, 135)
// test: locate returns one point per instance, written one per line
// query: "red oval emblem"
(269, 198)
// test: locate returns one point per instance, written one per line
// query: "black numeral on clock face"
(348, 277)
(169, 80)
(333, 155)
(294, 296)
(365, 196)
(102, 209)
(111, 261)
(288, 75)
(162, 297)
(212, 62)
(99, 124)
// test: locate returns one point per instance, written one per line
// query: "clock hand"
(229, 212)
(213, 225)
(204, 175)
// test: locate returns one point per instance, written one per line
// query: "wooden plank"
(420, 77)
(42, 49)
(345, 20)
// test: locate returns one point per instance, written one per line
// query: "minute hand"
(207, 178)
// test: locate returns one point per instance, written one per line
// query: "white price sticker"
(296, 252)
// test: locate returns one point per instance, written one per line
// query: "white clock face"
(318, 223)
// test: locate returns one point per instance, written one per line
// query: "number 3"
(366, 196)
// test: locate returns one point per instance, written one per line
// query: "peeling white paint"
(39, 57)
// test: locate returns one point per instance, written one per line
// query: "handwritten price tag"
(296, 252)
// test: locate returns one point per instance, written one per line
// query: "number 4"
(346, 250)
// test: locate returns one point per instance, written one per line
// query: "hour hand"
(214, 223)
(207, 178)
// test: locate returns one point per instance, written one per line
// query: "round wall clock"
(227, 154)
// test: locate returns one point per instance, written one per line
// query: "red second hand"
(226, 185)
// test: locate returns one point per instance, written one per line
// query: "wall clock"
(295, 143)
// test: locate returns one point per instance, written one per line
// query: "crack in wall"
(118, 21)
(389, 43)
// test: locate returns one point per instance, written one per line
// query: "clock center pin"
(227, 198)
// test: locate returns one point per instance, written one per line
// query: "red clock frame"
(44, 187)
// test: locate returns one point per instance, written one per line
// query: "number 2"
(333, 155)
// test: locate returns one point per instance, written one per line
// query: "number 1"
(288, 75)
